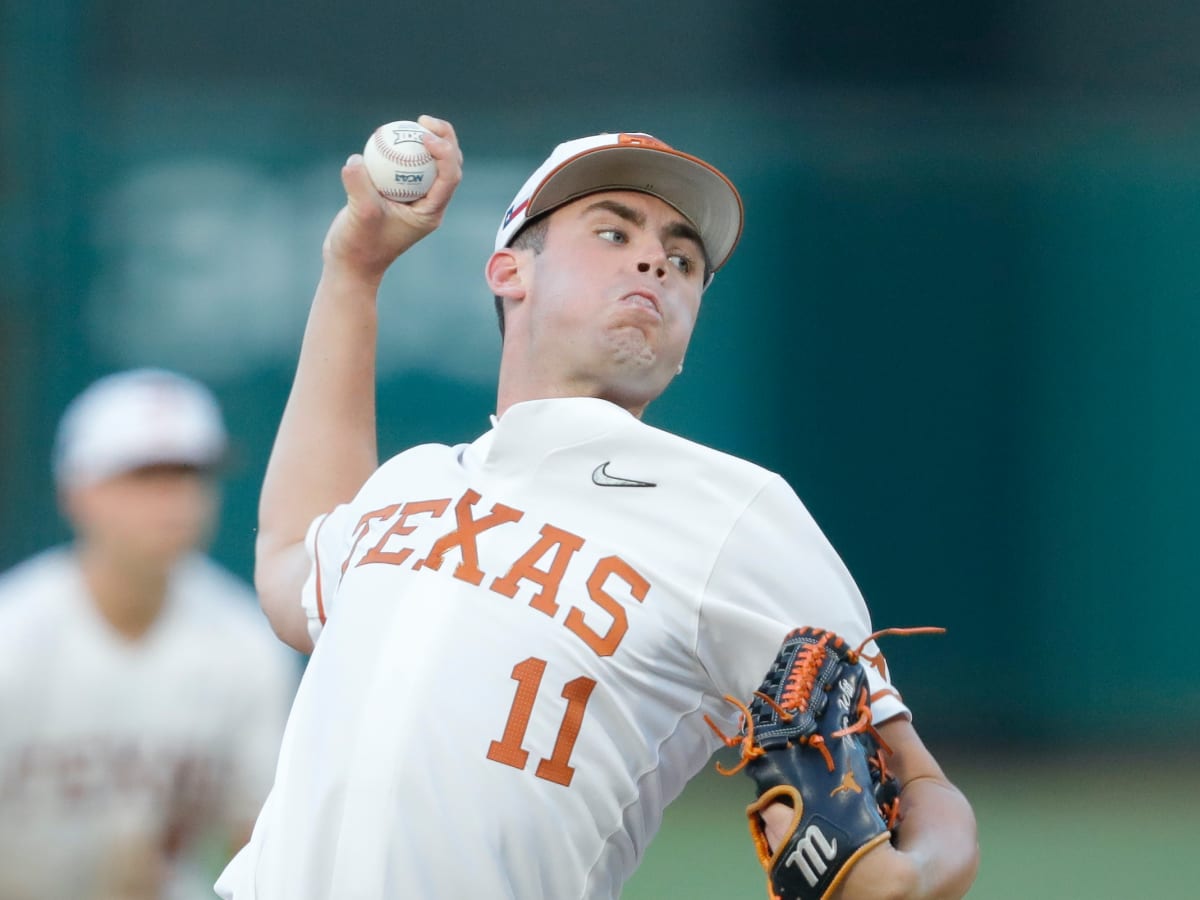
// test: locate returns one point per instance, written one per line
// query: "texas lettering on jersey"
(381, 537)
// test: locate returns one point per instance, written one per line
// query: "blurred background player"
(142, 696)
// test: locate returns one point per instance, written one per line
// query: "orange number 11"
(528, 676)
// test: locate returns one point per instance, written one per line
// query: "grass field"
(1076, 830)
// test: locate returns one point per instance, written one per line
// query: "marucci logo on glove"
(601, 477)
(813, 854)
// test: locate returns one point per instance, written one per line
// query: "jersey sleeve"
(775, 572)
(328, 542)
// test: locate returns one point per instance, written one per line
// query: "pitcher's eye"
(682, 262)
(612, 235)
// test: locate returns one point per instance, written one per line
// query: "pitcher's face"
(613, 295)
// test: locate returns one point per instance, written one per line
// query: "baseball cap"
(638, 162)
(137, 418)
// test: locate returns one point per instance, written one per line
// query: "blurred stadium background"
(963, 322)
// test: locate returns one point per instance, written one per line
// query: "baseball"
(398, 163)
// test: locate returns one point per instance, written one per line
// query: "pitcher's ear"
(505, 274)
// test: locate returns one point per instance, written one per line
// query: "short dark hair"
(532, 236)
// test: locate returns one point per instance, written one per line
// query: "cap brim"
(699, 192)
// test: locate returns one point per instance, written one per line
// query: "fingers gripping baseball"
(445, 149)
(371, 231)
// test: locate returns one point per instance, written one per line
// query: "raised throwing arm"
(325, 448)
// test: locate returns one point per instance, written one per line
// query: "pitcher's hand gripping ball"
(399, 165)
(807, 741)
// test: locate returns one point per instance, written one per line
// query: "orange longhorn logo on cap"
(638, 139)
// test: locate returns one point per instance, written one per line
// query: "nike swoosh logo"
(601, 477)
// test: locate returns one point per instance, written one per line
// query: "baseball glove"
(807, 740)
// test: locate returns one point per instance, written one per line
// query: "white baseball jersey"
(518, 641)
(118, 756)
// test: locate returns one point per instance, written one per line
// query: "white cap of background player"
(138, 418)
(636, 162)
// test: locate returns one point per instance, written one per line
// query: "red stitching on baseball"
(400, 159)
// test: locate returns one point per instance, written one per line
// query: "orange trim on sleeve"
(887, 692)
(317, 566)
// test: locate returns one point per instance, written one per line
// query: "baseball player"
(142, 695)
(516, 642)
